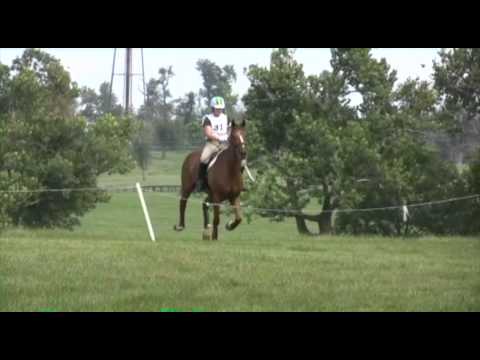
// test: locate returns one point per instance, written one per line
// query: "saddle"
(214, 157)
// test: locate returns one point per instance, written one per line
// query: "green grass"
(109, 264)
(161, 171)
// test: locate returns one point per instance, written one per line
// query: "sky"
(92, 66)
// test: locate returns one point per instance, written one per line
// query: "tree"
(149, 111)
(166, 107)
(372, 79)
(43, 146)
(185, 110)
(217, 81)
(108, 103)
(311, 144)
(187, 125)
(4, 88)
(410, 169)
(193, 134)
(457, 79)
(472, 176)
(41, 82)
(284, 135)
(142, 146)
(96, 105)
(89, 103)
(159, 109)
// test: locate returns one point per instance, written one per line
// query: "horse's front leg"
(183, 205)
(207, 235)
(216, 221)
(231, 225)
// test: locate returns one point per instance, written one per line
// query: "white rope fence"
(272, 210)
(302, 212)
(403, 207)
(111, 188)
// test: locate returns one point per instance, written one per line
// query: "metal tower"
(127, 89)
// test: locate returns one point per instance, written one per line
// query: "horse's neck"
(233, 164)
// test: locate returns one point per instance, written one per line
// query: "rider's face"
(217, 112)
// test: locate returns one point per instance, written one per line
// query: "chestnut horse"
(224, 179)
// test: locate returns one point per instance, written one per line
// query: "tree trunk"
(325, 223)
(323, 219)
(301, 225)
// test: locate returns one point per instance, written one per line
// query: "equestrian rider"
(216, 129)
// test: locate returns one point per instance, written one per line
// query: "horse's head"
(237, 139)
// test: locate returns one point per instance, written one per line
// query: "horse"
(224, 181)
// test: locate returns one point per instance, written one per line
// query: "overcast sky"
(90, 67)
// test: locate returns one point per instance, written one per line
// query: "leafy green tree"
(217, 81)
(96, 105)
(457, 79)
(4, 89)
(142, 147)
(44, 146)
(472, 213)
(309, 143)
(41, 83)
(286, 138)
(108, 103)
(159, 109)
(149, 111)
(193, 134)
(410, 169)
(185, 110)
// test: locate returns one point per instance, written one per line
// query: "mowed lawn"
(109, 264)
(161, 171)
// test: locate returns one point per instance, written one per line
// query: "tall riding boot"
(202, 181)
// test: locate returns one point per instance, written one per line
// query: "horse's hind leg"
(183, 206)
(231, 225)
(206, 221)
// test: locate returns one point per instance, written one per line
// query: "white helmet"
(217, 102)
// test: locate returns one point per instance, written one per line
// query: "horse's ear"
(237, 123)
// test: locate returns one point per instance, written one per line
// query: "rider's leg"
(207, 152)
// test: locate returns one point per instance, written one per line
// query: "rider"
(216, 129)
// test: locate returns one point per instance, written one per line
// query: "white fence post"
(145, 212)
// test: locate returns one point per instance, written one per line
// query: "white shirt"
(219, 125)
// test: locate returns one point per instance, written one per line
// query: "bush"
(45, 153)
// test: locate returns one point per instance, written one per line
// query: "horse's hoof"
(232, 225)
(178, 228)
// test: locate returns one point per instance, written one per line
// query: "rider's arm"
(208, 131)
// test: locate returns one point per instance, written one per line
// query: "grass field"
(161, 171)
(109, 264)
